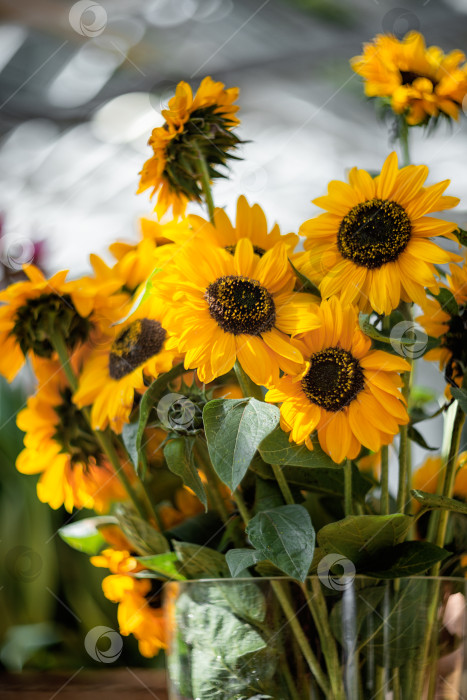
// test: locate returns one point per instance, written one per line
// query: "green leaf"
(200, 562)
(267, 492)
(329, 482)
(84, 535)
(164, 564)
(287, 537)
(405, 559)
(276, 449)
(215, 628)
(142, 536)
(244, 598)
(416, 436)
(359, 537)
(398, 343)
(151, 396)
(461, 396)
(240, 559)
(129, 440)
(447, 301)
(434, 502)
(180, 460)
(199, 530)
(306, 284)
(234, 429)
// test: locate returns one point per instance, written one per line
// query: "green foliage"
(143, 538)
(285, 537)
(180, 458)
(84, 535)
(461, 396)
(447, 301)
(432, 501)
(234, 430)
(200, 562)
(163, 564)
(360, 537)
(406, 559)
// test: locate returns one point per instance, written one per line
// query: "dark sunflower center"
(72, 432)
(374, 233)
(257, 250)
(136, 344)
(241, 305)
(408, 77)
(35, 321)
(455, 338)
(333, 380)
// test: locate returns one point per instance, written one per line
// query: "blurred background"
(81, 87)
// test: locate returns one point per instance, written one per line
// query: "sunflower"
(426, 477)
(417, 81)
(33, 309)
(194, 126)
(60, 446)
(451, 328)
(347, 392)
(371, 247)
(139, 600)
(250, 223)
(224, 307)
(131, 354)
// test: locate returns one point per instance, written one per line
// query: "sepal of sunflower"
(223, 307)
(139, 600)
(59, 445)
(371, 247)
(348, 393)
(199, 126)
(419, 83)
(121, 367)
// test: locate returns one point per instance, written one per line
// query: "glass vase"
(338, 638)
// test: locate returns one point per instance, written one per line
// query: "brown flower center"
(334, 379)
(136, 344)
(241, 305)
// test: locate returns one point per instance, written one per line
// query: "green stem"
(404, 447)
(385, 480)
(206, 185)
(450, 475)
(283, 485)
(213, 481)
(348, 487)
(247, 385)
(104, 439)
(291, 617)
(289, 680)
(241, 505)
(318, 608)
(380, 676)
(404, 141)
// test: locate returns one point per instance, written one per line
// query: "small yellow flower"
(347, 392)
(417, 81)
(371, 247)
(139, 600)
(194, 125)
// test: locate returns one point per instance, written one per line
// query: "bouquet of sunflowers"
(227, 405)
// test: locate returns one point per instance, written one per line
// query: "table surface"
(123, 683)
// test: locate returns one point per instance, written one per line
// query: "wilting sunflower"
(250, 223)
(194, 126)
(417, 81)
(223, 307)
(139, 600)
(438, 322)
(371, 247)
(60, 446)
(426, 477)
(35, 308)
(130, 355)
(347, 392)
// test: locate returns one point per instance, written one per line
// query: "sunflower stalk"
(348, 487)
(206, 185)
(403, 135)
(104, 440)
(404, 445)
